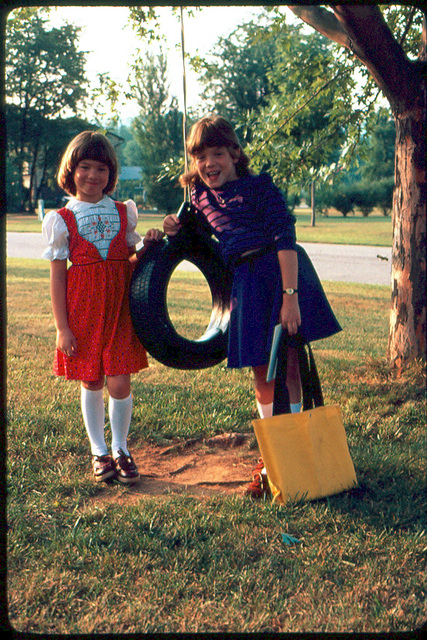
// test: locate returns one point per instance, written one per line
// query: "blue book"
(272, 364)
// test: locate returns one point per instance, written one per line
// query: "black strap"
(311, 387)
(316, 388)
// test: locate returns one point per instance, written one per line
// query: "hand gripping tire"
(148, 297)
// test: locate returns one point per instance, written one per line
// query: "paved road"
(346, 263)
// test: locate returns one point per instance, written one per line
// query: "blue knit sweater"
(247, 213)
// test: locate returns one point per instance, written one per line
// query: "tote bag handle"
(311, 387)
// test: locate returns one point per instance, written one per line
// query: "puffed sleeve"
(132, 236)
(55, 233)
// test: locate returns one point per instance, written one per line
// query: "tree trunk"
(22, 195)
(313, 203)
(33, 177)
(408, 305)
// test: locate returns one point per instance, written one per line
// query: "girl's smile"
(216, 166)
(91, 177)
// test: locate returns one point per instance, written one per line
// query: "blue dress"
(251, 213)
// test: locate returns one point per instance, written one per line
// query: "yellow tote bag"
(305, 454)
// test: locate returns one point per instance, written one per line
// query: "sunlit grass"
(78, 564)
(374, 230)
(190, 291)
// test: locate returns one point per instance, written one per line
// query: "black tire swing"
(148, 296)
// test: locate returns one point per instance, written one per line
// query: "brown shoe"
(103, 467)
(259, 487)
(126, 469)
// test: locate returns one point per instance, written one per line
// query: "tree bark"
(363, 30)
(408, 305)
(313, 203)
(33, 178)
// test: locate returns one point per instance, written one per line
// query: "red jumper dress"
(98, 300)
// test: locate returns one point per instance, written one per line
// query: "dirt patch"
(218, 465)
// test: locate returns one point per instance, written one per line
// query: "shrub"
(362, 195)
(385, 188)
(342, 199)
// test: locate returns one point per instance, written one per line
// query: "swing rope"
(184, 86)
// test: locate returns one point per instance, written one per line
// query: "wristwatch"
(290, 291)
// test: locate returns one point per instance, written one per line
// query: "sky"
(111, 43)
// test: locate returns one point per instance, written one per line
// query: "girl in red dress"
(95, 337)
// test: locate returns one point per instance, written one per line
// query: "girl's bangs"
(208, 137)
(95, 150)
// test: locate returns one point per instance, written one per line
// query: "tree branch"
(363, 30)
(300, 108)
(382, 54)
(326, 23)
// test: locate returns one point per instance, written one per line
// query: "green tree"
(377, 148)
(158, 130)
(368, 181)
(237, 75)
(300, 131)
(287, 95)
(45, 82)
(132, 154)
(124, 132)
(391, 47)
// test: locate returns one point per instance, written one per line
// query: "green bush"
(342, 199)
(363, 196)
(385, 188)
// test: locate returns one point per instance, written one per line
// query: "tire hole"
(189, 302)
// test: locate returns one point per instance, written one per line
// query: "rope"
(184, 86)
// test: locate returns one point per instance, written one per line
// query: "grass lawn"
(84, 558)
(375, 230)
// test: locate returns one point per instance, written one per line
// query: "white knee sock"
(264, 410)
(120, 412)
(92, 403)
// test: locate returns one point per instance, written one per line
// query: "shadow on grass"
(385, 500)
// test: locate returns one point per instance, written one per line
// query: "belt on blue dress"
(250, 256)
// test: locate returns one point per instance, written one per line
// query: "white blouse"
(55, 230)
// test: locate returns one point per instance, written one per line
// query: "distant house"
(130, 186)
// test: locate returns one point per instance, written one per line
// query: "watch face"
(290, 291)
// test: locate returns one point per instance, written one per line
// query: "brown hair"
(213, 131)
(88, 145)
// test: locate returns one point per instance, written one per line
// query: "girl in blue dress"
(273, 278)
